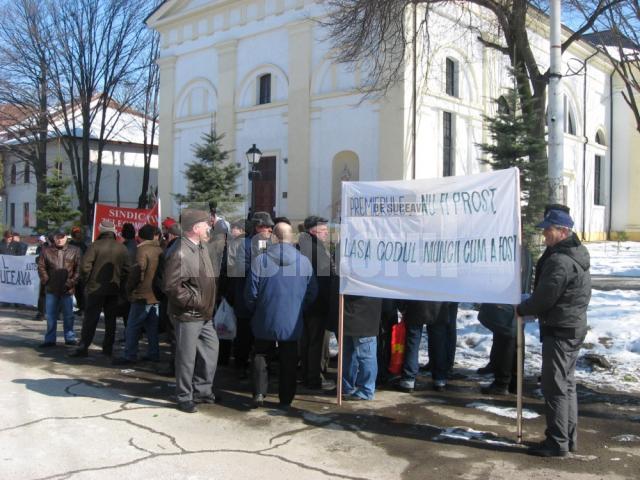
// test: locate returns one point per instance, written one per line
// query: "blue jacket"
(280, 287)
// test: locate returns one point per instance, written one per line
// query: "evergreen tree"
(56, 203)
(211, 178)
(514, 144)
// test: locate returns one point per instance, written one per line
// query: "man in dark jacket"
(143, 312)
(313, 245)
(77, 240)
(7, 238)
(280, 287)
(562, 290)
(59, 270)
(17, 247)
(190, 285)
(104, 271)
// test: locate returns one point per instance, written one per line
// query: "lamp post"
(253, 157)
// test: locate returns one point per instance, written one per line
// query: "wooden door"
(264, 186)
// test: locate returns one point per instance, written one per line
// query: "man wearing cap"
(314, 345)
(104, 271)
(59, 270)
(190, 286)
(562, 290)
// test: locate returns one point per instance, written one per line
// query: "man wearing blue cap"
(561, 295)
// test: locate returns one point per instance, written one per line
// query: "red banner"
(121, 215)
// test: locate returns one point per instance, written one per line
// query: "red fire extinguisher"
(398, 338)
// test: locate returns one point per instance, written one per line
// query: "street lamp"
(253, 157)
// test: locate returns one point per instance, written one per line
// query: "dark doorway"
(264, 186)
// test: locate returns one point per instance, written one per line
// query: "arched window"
(451, 77)
(264, 89)
(13, 174)
(569, 118)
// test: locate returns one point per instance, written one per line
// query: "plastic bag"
(224, 321)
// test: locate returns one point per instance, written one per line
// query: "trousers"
(196, 359)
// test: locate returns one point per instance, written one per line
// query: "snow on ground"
(613, 258)
(614, 327)
(509, 412)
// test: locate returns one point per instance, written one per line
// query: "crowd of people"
(282, 285)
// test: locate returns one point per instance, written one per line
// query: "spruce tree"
(514, 144)
(211, 178)
(56, 209)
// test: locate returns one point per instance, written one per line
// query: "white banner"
(19, 280)
(445, 239)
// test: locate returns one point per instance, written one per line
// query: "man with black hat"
(59, 270)
(314, 345)
(562, 290)
(104, 269)
(190, 285)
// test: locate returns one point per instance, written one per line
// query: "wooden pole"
(340, 343)
(520, 372)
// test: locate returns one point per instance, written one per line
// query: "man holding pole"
(560, 298)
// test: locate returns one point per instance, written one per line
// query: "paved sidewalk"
(85, 419)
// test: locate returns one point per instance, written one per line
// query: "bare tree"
(617, 35)
(149, 108)
(24, 57)
(94, 65)
(375, 31)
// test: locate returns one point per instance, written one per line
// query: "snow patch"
(508, 412)
(469, 434)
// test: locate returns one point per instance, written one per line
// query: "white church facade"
(260, 72)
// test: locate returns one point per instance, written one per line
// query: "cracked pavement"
(85, 419)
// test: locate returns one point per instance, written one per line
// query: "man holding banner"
(560, 298)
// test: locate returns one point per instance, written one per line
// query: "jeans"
(142, 315)
(411, 352)
(53, 303)
(359, 366)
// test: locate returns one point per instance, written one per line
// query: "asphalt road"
(85, 419)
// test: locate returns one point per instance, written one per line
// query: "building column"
(299, 121)
(165, 134)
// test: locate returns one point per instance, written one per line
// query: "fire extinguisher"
(398, 339)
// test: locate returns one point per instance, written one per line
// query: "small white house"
(121, 176)
(260, 72)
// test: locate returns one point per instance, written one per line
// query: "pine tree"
(211, 178)
(514, 145)
(56, 203)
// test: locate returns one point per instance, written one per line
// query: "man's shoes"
(257, 401)
(324, 386)
(353, 398)
(107, 351)
(122, 361)
(285, 407)
(486, 370)
(405, 385)
(187, 407)
(47, 345)
(439, 385)
(79, 353)
(426, 368)
(71, 342)
(494, 389)
(543, 449)
(211, 399)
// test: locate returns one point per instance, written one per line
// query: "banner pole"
(93, 225)
(340, 343)
(520, 367)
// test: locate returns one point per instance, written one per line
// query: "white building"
(260, 72)
(122, 171)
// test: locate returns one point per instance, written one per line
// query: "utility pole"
(556, 110)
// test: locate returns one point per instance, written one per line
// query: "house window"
(27, 173)
(25, 214)
(14, 174)
(569, 118)
(264, 89)
(12, 215)
(451, 74)
(597, 180)
(58, 167)
(448, 145)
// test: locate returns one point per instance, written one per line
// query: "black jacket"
(105, 266)
(362, 316)
(419, 312)
(323, 270)
(562, 290)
